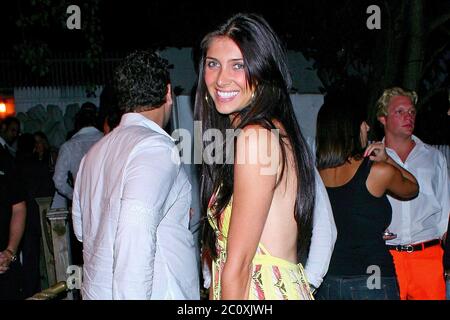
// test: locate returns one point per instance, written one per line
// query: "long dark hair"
(338, 125)
(266, 70)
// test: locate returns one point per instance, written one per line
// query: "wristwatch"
(13, 255)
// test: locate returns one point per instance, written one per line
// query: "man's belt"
(415, 247)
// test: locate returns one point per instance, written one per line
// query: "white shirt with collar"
(131, 211)
(69, 157)
(3, 142)
(425, 217)
(7, 146)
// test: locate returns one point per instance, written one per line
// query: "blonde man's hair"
(388, 94)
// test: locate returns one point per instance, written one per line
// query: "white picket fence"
(27, 97)
(51, 109)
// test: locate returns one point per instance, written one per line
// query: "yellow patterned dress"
(272, 278)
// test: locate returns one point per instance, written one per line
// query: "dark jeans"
(31, 250)
(447, 283)
(76, 247)
(31, 265)
(357, 288)
(11, 283)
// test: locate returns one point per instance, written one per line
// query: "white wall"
(27, 97)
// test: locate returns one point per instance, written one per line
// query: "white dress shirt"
(11, 150)
(323, 236)
(3, 142)
(69, 157)
(131, 211)
(425, 217)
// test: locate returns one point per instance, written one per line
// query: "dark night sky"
(330, 28)
(134, 23)
(172, 23)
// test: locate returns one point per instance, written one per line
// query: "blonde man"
(420, 224)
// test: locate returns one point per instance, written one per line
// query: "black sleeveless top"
(361, 219)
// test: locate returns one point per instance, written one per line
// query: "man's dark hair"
(109, 108)
(86, 117)
(141, 81)
(5, 127)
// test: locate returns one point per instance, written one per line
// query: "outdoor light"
(7, 107)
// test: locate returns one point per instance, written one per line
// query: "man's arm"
(17, 225)
(62, 168)
(323, 236)
(16, 228)
(149, 178)
(76, 206)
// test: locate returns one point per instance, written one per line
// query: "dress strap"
(263, 249)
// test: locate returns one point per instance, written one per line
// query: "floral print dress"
(272, 278)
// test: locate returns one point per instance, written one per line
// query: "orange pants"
(420, 274)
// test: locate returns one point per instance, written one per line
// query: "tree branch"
(446, 30)
(439, 21)
(430, 94)
(432, 58)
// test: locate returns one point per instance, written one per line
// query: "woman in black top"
(357, 181)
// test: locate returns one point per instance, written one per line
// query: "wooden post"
(61, 243)
(46, 241)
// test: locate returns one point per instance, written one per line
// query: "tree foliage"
(43, 31)
(412, 49)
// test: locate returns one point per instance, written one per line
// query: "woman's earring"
(206, 98)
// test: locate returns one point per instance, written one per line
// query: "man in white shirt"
(69, 157)
(132, 198)
(72, 151)
(420, 224)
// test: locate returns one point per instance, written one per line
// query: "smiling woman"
(244, 85)
(225, 76)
